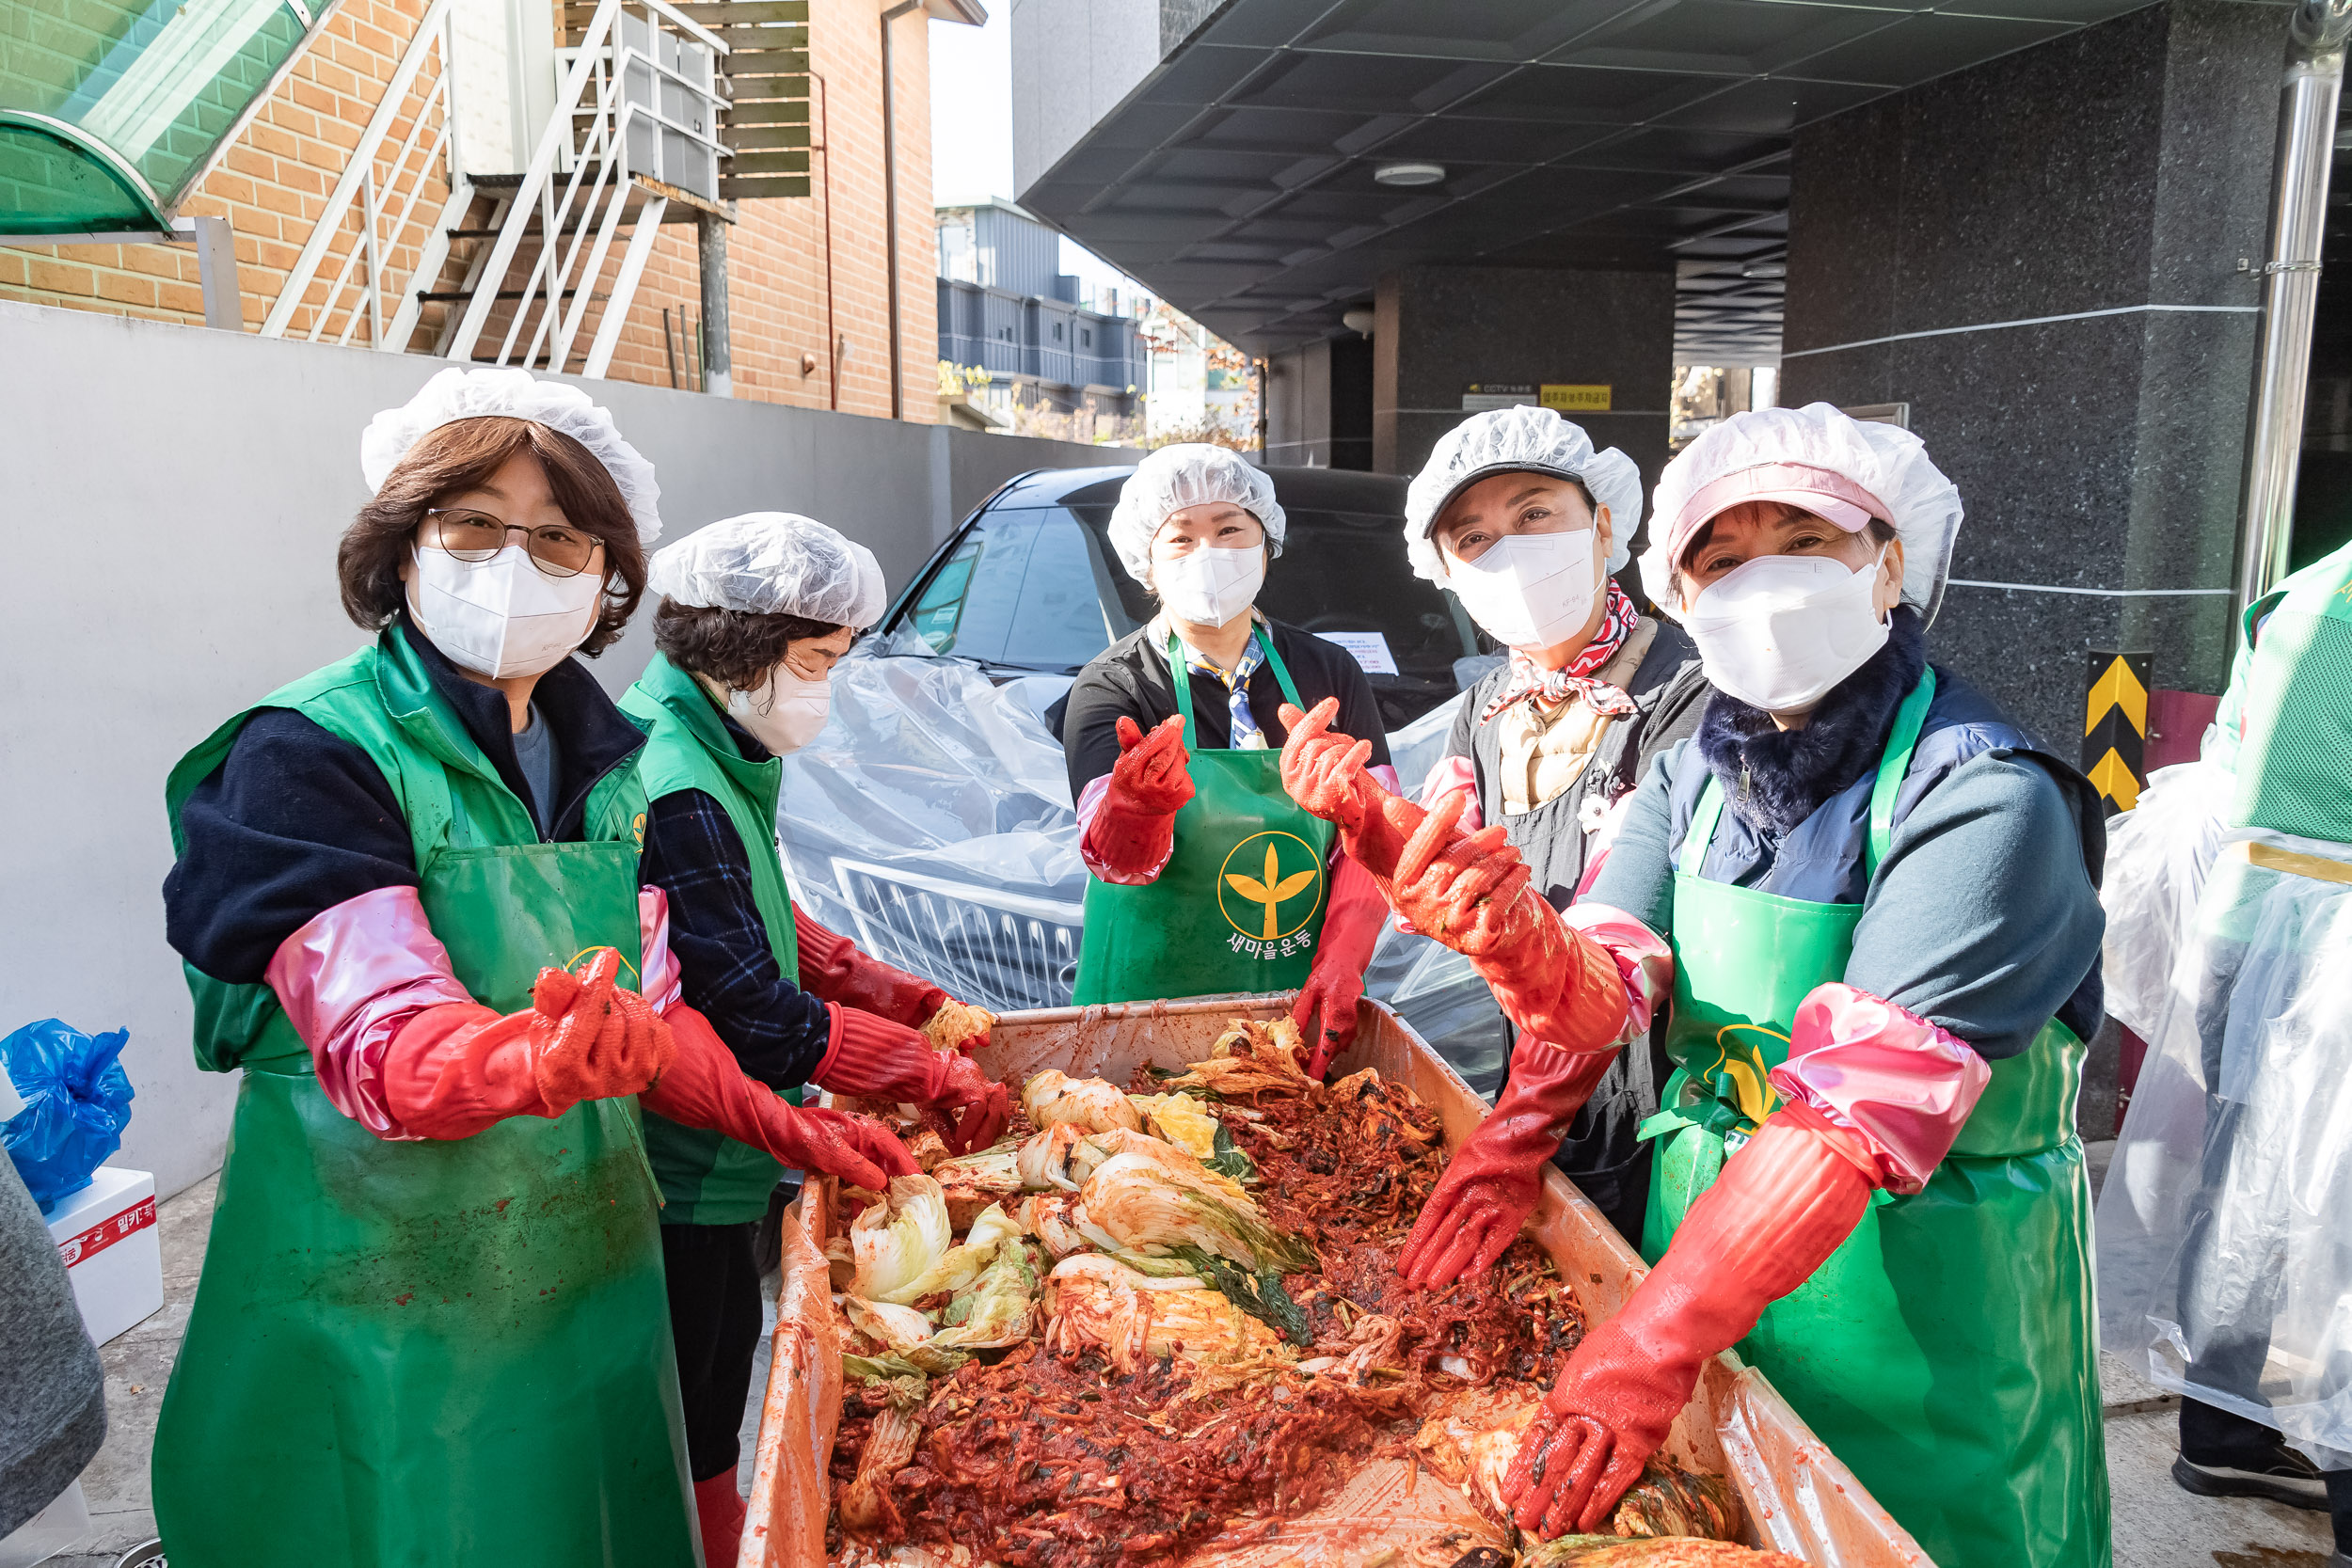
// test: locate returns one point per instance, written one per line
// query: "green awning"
(110, 110)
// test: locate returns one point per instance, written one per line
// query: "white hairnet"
(1886, 461)
(772, 563)
(456, 394)
(1519, 440)
(1189, 473)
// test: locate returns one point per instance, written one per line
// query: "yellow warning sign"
(1575, 398)
(2118, 688)
(2111, 777)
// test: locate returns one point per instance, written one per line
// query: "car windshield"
(1039, 589)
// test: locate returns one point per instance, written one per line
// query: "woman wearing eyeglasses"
(432, 1325)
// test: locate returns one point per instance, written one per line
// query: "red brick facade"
(273, 183)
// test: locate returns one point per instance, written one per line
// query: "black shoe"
(2283, 1477)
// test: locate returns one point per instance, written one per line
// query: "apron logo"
(1253, 890)
(1742, 1064)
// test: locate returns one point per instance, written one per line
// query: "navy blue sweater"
(298, 820)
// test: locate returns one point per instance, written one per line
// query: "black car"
(931, 820)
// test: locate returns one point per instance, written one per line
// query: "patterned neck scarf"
(1551, 687)
(1247, 736)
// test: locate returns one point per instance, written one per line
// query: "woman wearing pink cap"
(1881, 905)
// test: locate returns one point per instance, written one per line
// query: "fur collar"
(1774, 778)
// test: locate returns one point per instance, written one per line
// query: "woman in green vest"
(1205, 877)
(431, 1327)
(1877, 904)
(754, 612)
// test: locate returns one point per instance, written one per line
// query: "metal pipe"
(890, 201)
(2308, 96)
(832, 339)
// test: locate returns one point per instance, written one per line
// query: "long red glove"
(705, 1087)
(874, 1057)
(1326, 1010)
(1781, 1206)
(453, 1069)
(1491, 1183)
(1135, 826)
(1471, 892)
(833, 969)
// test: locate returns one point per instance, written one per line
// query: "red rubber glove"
(705, 1087)
(832, 968)
(453, 1069)
(874, 1057)
(1469, 891)
(1782, 1205)
(1325, 1009)
(1491, 1184)
(1135, 826)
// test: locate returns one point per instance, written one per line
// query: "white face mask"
(503, 616)
(1529, 590)
(783, 712)
(1779, 631)
(1210, 586)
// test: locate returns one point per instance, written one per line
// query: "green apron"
(1948, 1350)
(1240, 902)
(707, 1178)
(429, 1352)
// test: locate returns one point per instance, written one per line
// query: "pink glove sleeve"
(1889, 1077)
(657, 965)
(349, 979)
(1644, 959)
(1118, 846)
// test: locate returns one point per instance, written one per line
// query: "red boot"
(719, 1509)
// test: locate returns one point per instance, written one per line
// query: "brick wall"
(273, 183)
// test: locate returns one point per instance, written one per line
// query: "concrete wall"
(1072, 61)
(1319, 404)
(2109, 180)
(1439, 329)
(172, 502)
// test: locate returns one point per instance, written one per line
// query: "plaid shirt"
(726, 970)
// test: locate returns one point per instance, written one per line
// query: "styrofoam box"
(113, 1251)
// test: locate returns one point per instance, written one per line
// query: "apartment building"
(738, 191)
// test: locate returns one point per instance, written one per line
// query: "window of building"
(1057, 332)
(1086, 337)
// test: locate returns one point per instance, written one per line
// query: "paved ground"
(2156, 1524)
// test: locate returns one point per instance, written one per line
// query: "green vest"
(2291, 774)
(707, 1178)
(433, 1350)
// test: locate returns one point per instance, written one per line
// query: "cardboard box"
(113, 1251)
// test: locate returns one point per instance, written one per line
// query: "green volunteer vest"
(1948, 1350)
(707, 1178)
(1239, 906)
(429, 1352)
(2292, 776)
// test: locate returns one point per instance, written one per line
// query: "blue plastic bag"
(77, 1100)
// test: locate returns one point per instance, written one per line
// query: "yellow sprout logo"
(1254, 905)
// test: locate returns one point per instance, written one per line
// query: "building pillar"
(1319, 408)
(1437, 332)
(710, 235)
(2040, 257)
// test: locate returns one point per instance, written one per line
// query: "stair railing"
(563, 275)
(387, 204)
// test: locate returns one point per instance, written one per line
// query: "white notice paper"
(1368, 648)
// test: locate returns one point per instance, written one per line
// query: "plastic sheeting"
(2225, 1226)
(931, 823)
(2158, 857)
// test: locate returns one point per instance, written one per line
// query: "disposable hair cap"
(456, 394)
(1189, 473)
(1524, 439)
(1783, 453)
(772, 563)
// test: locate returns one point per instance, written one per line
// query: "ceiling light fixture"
(1765, 269)
(1409, 174)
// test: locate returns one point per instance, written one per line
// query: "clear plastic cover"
(2158, 857)
(931, 824)
(2225, 1261)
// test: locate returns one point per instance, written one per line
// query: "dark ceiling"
(1236, 179)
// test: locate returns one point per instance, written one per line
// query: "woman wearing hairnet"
(753, 614)
(431, 1326)
(1519, 515)
(1206, 876)
(1877, 905)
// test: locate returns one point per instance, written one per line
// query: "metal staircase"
(538, 269)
